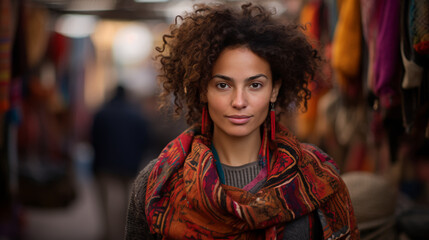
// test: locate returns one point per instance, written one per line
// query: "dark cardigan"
(137, 227)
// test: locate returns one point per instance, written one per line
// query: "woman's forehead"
(240, 61)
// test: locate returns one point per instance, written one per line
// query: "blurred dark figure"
(119, 138)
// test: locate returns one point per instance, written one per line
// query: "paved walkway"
(81, 220)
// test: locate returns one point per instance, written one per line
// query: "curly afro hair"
(196, 39)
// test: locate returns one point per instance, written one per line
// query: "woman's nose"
(239, 100)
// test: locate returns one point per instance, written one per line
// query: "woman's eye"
(222, 85)
(255, 85)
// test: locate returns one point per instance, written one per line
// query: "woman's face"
(239, 92)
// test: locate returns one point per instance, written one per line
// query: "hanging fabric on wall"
(332, 16)
(8, 223)
(415, 82)
(317, 16)
(310, 18)
(46, 177)
(6, 35)
(380, 25)
(414, 24)
(419, 26)
(370, 13)
(387, 55)
(36, 20)
(346, 50)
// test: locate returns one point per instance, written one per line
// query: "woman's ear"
(275, 91)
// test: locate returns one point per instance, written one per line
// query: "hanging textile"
(310, 18)
(387, 55)
(419, 26)
(6, 32)
(414, 33)
(316, 16)
(346, 48)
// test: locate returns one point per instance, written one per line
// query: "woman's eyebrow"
(222, 77)
(256, 76)
(247, 79)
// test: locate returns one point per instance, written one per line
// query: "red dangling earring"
(204, 121)
(273, 121)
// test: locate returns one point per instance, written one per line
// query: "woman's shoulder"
(137, 227)
(143, 175)
(140, 183)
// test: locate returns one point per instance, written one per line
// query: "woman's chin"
(238, 132)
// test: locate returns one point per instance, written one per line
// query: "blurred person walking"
(119, 136)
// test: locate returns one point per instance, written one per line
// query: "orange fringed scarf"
(185, 199)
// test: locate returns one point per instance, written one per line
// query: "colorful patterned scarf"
(185, 199)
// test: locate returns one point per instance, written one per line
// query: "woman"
(238, 174)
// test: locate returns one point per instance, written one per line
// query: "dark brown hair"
(197, 38)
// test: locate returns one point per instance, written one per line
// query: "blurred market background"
(66, 63)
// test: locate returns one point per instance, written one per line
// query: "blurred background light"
(76, 25)
(132, 44)
(150, 1)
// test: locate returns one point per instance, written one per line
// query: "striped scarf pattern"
(185, 199)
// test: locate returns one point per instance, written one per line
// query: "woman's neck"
(236, 151)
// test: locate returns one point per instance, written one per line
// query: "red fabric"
(185, 199)
(5, 53)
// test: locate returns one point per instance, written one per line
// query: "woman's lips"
(239, 119)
